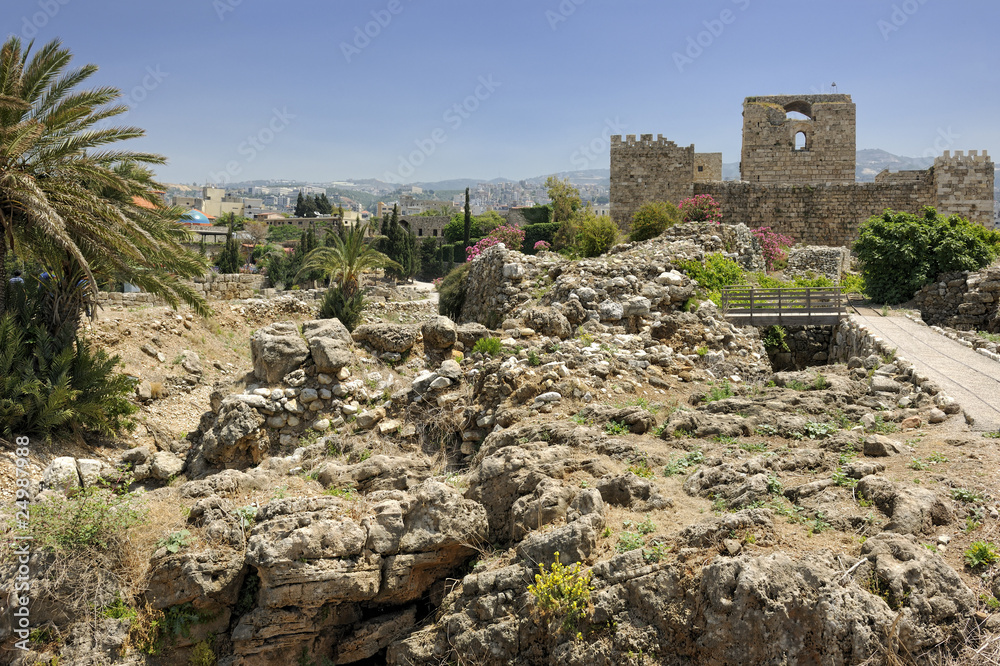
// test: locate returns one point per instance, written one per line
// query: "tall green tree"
(229, 258)
(468, 219)
(69, 199)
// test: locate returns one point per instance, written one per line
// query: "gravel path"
(968, 377)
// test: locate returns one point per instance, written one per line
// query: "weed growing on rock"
(175, 541)
(884, 427)
(534, 360)
(629, 541)
(966, 496)
(841, 479)
(980, 554)
(682, 464)
(615, 428)
(719, 391)
(562, 592)
(641, 468)
(655, 552)
(490, 346)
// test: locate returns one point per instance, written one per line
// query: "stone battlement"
(644, 141)
(960, 157)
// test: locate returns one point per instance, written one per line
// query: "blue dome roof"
(195, 216)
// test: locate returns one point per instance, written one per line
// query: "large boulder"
(439, 333)
(547, 321)
(396, 338)
(330, 354)
(61, 475)
(277, 350)
(326, 328)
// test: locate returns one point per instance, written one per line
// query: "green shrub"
(615, 428)
(716, 272)
(852, 283)
(202, 655)
(719, 391)
(347, 310)
(901, 252)
(93, 518)
(490, 346)
(597, 234)
(451, 292)
(775, 338)
(652, 219)
(562, 592)
(52, 382)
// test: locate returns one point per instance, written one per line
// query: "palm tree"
(347, 260)
(88, 213)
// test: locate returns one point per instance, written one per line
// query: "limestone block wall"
(769, 151)
(962, 300)
(647, 169)
(807, 346)
(815, 214)
(964, 185)
(214, 287)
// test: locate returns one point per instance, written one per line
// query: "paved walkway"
(968, 377)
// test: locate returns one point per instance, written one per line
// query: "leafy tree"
(323, 205)
(284, 232)
(652, 219)
(229, 259)
(69, 200)
(565, 204)
(468, 219)
(901, 252)
(481, 225)
(565, 198)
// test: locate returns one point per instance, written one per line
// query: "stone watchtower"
(798, 139)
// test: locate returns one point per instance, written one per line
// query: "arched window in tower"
(800, 141)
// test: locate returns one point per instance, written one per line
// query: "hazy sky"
(424, 90)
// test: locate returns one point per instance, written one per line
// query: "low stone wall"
(962, 300)
(807, 346)
(734, 240)
(814, 260)
(214, 288)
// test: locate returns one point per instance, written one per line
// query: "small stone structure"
(797, 171)
(962, 300)
(807, 346)
(815, 261)
(214, 287)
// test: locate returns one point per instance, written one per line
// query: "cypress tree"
(229, 258)
(468, 219)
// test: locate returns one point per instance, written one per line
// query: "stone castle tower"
(797, 173)
(780, 147)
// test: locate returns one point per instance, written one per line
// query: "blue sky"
(424, 90)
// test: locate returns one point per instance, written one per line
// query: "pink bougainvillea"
(702, 208)
(542, 246)
(511, 237)
(773, 244)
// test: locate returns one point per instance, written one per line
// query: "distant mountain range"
(870, 162)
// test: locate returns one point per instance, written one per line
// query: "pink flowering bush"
(773, 244)
(542, 246)
(702, 208)
(511, 237)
